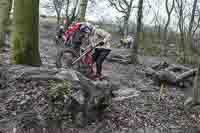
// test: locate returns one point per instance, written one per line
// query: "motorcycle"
(79, 59)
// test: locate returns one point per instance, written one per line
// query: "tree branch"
(112, 3)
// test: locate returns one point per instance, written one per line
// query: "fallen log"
(186, 75)
(159, 66)
(172, 74)
(150, 72)
(158, 76)
(118, 60)
(122, 59)
(177, 68)
(170, 77)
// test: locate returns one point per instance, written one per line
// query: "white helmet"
(61, 27)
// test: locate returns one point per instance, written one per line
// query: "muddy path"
(136, 107)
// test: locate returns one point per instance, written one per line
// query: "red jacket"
(72, 30)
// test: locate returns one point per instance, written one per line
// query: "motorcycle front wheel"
(65, 59)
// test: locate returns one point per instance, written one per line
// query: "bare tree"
(71, 15)
(169, 12)
(196, 23)
(196, 88)
(134, 57)
(120, 25)
(58, 5)
(191, 27)
(83, 8)
(54, 6)
(158, 20)
(192, 16)
(68, 9)
(125, 7)
(181, 22)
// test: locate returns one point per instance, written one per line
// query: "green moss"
(58, 94)
(25, 36)
(59, 90)
(4, 17)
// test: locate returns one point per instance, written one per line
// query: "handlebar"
(86, 50)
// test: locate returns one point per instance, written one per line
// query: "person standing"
(129, 41)
(100, 36)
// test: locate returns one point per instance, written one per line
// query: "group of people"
(85, 34)
(127, 41)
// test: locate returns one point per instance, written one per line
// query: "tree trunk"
(134, 57)
(72, 14)
(127, 17)
(182, 42)
(25, 37)
(67, 14)
(181, 28)
(190, 35)
(196, 88)
(10, 5)
(58, 6)
(10, 11)
(58, 19)
(4, 17)
(192, 16)
(169, 11)
(83, 7)
(126, 26)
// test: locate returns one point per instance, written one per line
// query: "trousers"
(99, 56)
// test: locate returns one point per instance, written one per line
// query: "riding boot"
(92, 76)
(99, 77)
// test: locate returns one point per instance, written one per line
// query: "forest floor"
(136, 108)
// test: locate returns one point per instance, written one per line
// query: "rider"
(130, 41)
(96, 37)
(77, 34)
(60, 32)
(89, 35)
